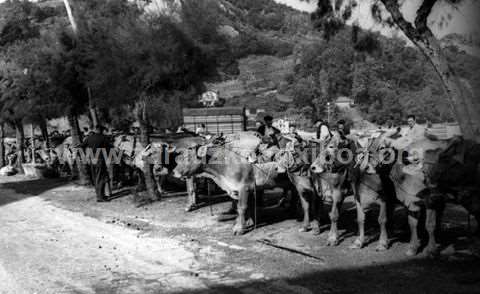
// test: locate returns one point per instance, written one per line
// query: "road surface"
(54, 238)
(45, 249)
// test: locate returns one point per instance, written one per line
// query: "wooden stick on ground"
(270, 243)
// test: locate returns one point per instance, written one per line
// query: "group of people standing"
(270, 133)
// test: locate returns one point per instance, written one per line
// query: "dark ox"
(160, 155)
(425, 174)
(451, 174)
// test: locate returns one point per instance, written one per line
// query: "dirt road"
(55, 239)
(45, 249)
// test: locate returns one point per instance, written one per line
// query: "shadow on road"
(412, 276)
(430, 277)
(16, 191)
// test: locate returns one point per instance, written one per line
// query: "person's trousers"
(99, 175)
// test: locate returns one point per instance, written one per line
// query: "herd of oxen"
(422, 176)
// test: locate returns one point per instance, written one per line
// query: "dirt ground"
(54, 238)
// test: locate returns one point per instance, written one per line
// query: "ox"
(230, 166)
(294, 160)
(330, 175)
(369, 187)
(161, 155)
(424, 174)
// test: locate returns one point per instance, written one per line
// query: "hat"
(267, 118)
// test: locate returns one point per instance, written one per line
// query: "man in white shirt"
(414, 132)
(201, 130)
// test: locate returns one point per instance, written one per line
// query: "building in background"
(253, 116)
(343, 102)
(217, 120)
(209, 99)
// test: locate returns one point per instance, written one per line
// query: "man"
(201, 130)
(318, 124)
(94, 144)
(414, 132)
(292, 132)
(342, 128)
(269, 132)
(393, 131)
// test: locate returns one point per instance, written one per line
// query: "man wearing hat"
(94, 144)
(268, 131)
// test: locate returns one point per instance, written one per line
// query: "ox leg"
(435, 204)
(160, 182)
(360, 241)
(334, 216)
(306, 211)
(430, 226)
(111, 175)
(414, 241)
(317, 209)
(294, 200)
(240, 224)
(141, 181)
(382, 221)
(191, 194)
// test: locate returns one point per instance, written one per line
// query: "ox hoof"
(239, 230)
(432, 251)
(191, 207)
(357, 244)
(381, 247)
(304, 229)
(332, 242)
(412, 250)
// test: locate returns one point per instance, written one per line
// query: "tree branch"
(422, 15)
(394, 9)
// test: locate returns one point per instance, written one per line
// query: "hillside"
(268, 38)
(287, 68)
(276, 61)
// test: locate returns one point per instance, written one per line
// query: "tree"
(20, 23)
(144, 63)
(332, 14)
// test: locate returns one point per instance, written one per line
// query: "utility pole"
(329, 110)
(70, 17)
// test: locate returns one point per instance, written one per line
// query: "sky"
(465, 21)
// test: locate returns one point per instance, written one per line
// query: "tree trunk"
(20, 143)
(2, 146)
(44, 129)
(466, 112)
(76, 140)
(142, 118)
(92, 109)
(423, 38)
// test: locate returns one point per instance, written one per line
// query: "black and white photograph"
(239, 146)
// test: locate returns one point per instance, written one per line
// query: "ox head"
(190, 161)
(266, 172)
(332, 153)
(284, 160)
(324, 160)
(377, 155)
